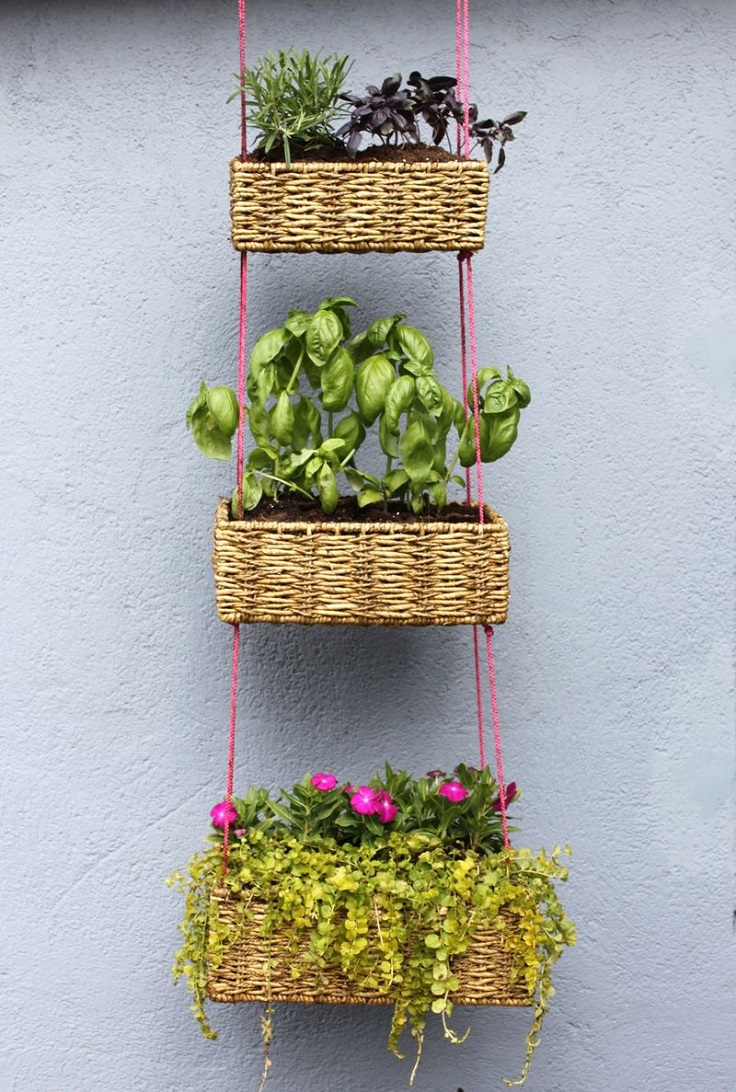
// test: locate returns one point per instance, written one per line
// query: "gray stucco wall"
(607, 282)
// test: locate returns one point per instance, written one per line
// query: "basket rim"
(494, 523)
(339, 166)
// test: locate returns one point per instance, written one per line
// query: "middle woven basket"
(362, 573)
(356, 207)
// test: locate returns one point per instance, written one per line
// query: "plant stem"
(295, 373)
(456, 456)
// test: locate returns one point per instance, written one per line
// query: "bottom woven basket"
(437, 573)
(258, 968)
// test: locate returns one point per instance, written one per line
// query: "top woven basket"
(336, 207)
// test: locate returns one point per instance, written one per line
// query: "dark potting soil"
(381, 153)
(300, 510)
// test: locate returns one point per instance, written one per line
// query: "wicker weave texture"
(381, 574)
(258, 968)
(358, 207)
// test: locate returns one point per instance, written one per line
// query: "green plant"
(315, 390)
(293, 98)
(387, 882)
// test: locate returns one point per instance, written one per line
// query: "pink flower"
(364, 801)
(453, 790)
(240, 832)
(508, 796)
(223, 814)
(324, 781)
(384, 807)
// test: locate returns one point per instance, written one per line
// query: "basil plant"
(315, 389)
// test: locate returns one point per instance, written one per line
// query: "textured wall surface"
(608, 283)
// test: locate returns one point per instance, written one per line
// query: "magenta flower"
(364, 801)
(384, 807)
(324, 781)
(508, 796)
(453, 790)
(223, 814)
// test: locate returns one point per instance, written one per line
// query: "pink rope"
(497, 736)
(479, 699)
(459, 66)
(242, 330)
(242, 327)
(466, 74)
(241, 35)
(466, 259)
(463, 360)
(231, 744)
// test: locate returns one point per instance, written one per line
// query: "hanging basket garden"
(402, 892)
(397, 552)
(311, 188)
(361, 573)
(355, 207)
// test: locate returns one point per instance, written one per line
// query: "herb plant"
(293, 99)
(392, 115)
(315, 390)
(387, 881)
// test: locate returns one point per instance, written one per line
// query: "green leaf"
(378, 331)
(394, 481)
(351, 430)
(388, 440)
(208, 437)
(432, 940)
(251, 494)
(282, 419)
(398, 399)
(499, 397)
(268, 347)
(337, 301)
(327, 488)
(414, 345)
(369, 496)
(323, 336)
(430, 394)
(502, 430)
(222, 403)
(297, 322)
(416, 452)
(337, 380)
(372, 384)
(438, 491)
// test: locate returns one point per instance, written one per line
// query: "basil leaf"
(323, 336)
(268, 347)
(337, 380)
(282, 419)
(416, 452)
(414, 345)
(398, 400)
(502, 429)
(351, 430)
(372, 384)
(327, 488)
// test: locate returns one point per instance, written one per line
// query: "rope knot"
(464, 255)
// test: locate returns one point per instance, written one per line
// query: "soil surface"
(380, 153)
(300, 510)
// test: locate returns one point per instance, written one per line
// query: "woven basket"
(380, 574)
(258, 968)
(358, 207)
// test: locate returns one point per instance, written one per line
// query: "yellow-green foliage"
(428, 898)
